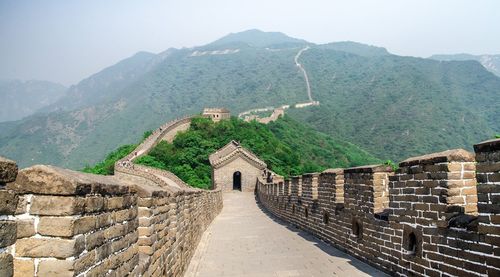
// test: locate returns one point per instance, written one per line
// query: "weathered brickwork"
(64, 223)
(8, 227)
(432, 217)
(73, 224)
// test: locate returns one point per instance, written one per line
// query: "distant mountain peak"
(356, 48)
(490, 62)
(258, 38)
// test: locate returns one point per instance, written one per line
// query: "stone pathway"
(245, 241)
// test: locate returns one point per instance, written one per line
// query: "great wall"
(140, 222)
(437, 215)
(250, 115)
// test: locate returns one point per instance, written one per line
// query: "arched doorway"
(237, 180)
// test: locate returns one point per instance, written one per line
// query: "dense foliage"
(399, 107)
(288, 148)
(107, 166)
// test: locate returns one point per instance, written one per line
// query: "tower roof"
(230, 152)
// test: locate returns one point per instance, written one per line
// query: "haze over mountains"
(22, 98)
(490, 62)
(392, 106)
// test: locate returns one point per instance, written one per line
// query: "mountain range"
(23, 98)
(490, 62)
(392, 106)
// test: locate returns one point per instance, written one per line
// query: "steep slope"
(394, 106)
(490, 62)
(397, 107)
(19, 99)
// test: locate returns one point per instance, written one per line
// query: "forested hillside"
(397, 107)
(288, 147)
(490, 62)
(393, 106)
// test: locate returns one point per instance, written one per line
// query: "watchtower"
(217, 114)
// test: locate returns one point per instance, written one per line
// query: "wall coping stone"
(454, 155)
(46, 179)
(147, 188)
(337, 171)
(311, 174)
(369, 169)
(8, 170)
(487, 146)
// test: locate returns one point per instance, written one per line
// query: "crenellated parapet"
(8, 206)
(58, 222)
(437, 215)
(488, 186)
(366, 188)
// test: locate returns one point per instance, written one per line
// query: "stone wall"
(8, 227)
(432, 217)
(58, 222)
(223, 176)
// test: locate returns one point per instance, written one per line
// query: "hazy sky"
(66, 41)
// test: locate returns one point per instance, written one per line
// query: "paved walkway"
(244, 241)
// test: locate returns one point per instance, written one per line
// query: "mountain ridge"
(23, 98)
(490, 62)
(175, 83)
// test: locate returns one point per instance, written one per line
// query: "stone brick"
(115, 231)
(104, 220)
(56, 226)
(454, 167)
(8, 233)
(94, 239)
(8, 170)
(25, 228)
(94, 204)
(6, 265)
(488, 167)
(122, 215)
(41, 179)
(22, 204)
(114, 203)
(85, 261)
(46, 247)
(8, 201)
(494, 177)
(56, 205)
(56, 268)
(103, 251)
(24, 268)
(84, 224)
(455, 200)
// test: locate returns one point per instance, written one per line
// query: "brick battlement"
(437, 215)
(60, 222)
